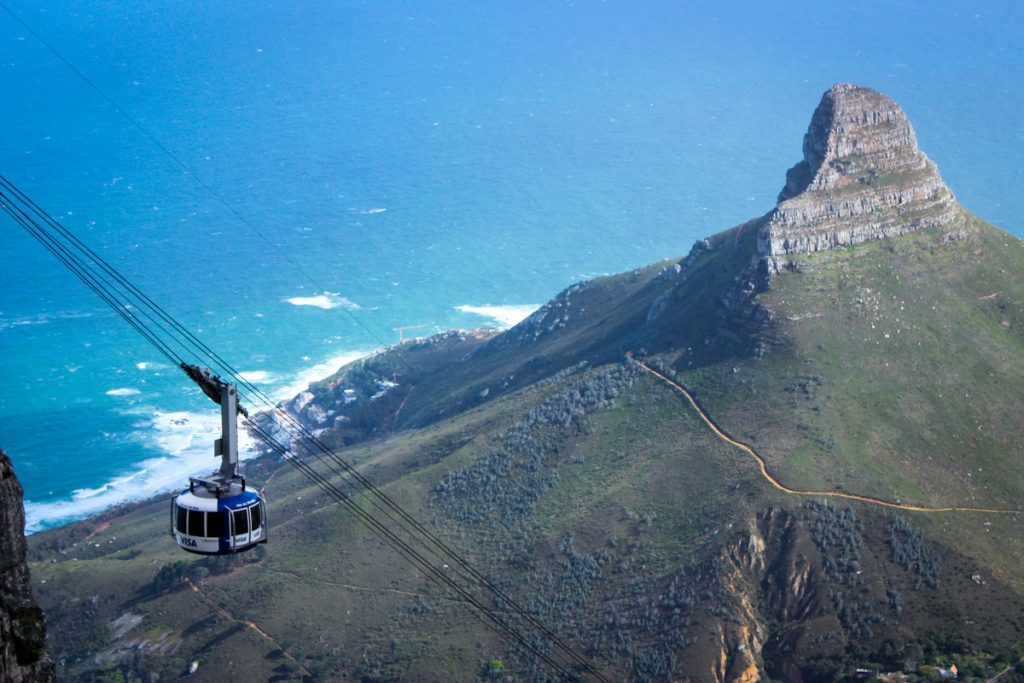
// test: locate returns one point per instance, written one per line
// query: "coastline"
(184, 439)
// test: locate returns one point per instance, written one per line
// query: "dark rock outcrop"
(862, 178)
(22, 624)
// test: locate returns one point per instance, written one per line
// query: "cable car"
(219, 515)
(208, 524)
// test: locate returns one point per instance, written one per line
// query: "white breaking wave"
(125, 391)
(256, 376)
(40, 319)
(314, 373)
(185, 441)
(505, 316)
(326, 301)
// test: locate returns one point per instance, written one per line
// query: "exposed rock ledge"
(862, 178)
(22, 625)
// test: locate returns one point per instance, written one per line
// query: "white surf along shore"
(183, 440)
(505, 316)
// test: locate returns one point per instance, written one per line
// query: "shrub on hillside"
(909, 550)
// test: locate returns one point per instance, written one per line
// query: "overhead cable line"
(306, 439)
(379, 499)
(163, 331)
(403, 548)
(314, 443)
(90, 280)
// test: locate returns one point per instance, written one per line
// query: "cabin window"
(182, 517)
(196, 523)
(255, 512)
(215, 524)
(241, 522)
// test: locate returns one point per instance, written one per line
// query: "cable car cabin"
(216, 515)
(206, 523)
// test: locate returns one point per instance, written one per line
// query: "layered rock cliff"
(22, 625)
(862, 178)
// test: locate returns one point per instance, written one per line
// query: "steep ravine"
(821, 590)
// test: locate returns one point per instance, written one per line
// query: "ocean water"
(442, 164)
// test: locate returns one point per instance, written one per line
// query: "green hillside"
(639, 496)
(887, 365)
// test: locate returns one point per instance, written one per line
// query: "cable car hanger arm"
(212, 385)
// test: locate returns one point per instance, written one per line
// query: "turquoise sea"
(439, 164)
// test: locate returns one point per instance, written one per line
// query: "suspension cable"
(306, 439)
(411, 555)
(82, 273)
(161, 329)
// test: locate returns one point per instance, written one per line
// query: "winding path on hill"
(721, 434)
(228, 616)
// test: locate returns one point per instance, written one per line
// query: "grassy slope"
(898, 373)
(327, 591)
(324, 584)
(597, 322)
(645, 483)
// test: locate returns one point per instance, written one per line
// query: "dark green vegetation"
(597, 499)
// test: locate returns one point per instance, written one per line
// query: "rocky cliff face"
(862, 178)
(22, 625)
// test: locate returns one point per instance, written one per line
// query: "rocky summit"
(862, 178)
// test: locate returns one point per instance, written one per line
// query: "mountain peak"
(862, 178)
(852, 121)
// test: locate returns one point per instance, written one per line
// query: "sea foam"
(185, 443)
(256, 376)
(301, 381)
(124, 391)
(505, 316)
(326, 301)
(41, 319)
